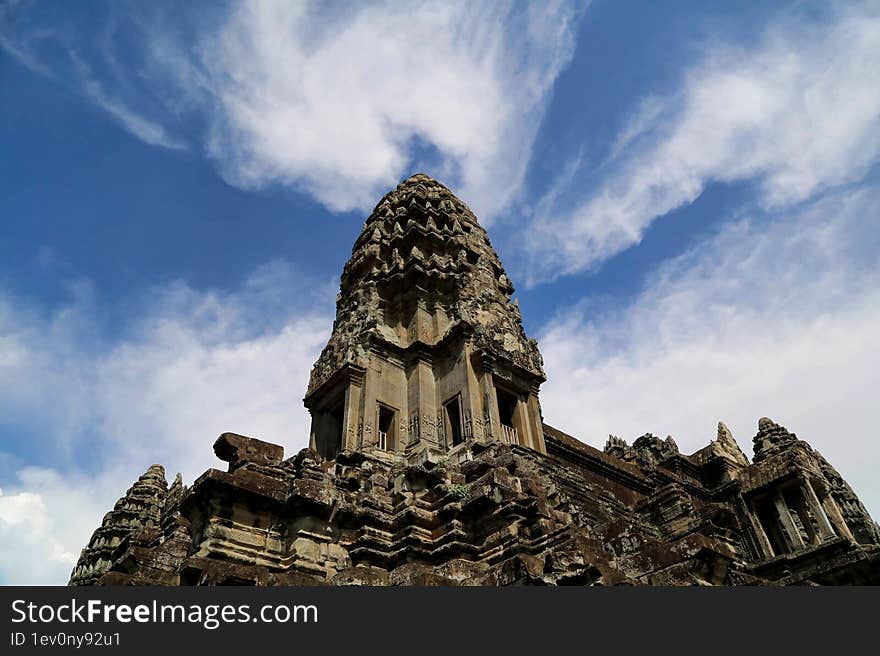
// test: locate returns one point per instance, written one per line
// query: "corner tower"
(428, 352)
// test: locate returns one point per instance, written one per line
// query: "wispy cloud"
(24, 41)
(20, 44)
(141, 127)
(340, 102)
(759, 320)
(797, 113)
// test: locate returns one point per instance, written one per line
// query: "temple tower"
(428, 352)
(140, 508)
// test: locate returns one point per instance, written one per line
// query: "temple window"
(767, 515)
(386, 439)
(328, 430)
(803, 522)
(507, 404)
(453, 420)
(792, 517)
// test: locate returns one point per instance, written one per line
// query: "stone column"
(424, 323)
(472, 395)
(836, 517)
(763, 542)
(422, 401)
(491, 422)
(824, 526)
(534, 422)
(353, 402)
(794, 536)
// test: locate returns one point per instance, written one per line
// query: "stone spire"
(771, 439)
(725, 445)
(424, 285)
(140, 508)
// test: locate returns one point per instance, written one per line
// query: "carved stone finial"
(650, 449)
(140, 508)
(771, 438)
(617, 447)
(766, 424)
(725, 446)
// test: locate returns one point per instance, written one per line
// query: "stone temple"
(430, 463)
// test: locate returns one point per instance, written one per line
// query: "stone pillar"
(521, 422)
(424, 323)
(352, 416)
(472, 395)
(368, 428)
(422, 402)
(824, 526)
(491, 422)
(794, 536)
(761, 539)
(534, 421)
(836, 517)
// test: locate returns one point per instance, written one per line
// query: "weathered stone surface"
(424, 316)
(420, 236)
(771, 439)
(507, 515)
(238, 450)
(139, 513)
(428, 348)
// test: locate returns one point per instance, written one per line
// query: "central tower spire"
(428, 352)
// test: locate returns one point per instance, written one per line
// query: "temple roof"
(422, 247)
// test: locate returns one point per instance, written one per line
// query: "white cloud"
(798, 113)
(188, 365)
(338, 100)
(45, 520)
(169, 391)
(773, 319)
(48, 350)
(334, 103)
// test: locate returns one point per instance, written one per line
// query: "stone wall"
(492, 514)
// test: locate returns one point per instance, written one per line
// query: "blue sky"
(686, 197)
